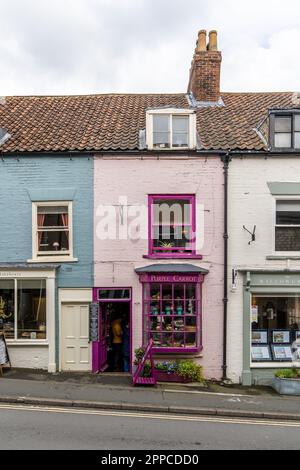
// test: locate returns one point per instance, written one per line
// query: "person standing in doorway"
(117, 334)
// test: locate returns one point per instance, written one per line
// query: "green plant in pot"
(139, 354)
(288, 374)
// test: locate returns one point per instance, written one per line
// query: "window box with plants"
(178, 371)
(287, 382)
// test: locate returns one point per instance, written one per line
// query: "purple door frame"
(96, 344)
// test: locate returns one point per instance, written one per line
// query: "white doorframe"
(70, 296)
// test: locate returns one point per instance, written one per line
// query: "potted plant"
(287, 382)
(179, 371)
(139, 354)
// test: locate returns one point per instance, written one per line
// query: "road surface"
(25, 427)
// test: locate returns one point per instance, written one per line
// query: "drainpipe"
(226, 160)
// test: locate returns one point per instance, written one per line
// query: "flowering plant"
(167, 366)
(187, 369)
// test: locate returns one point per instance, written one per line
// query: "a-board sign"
(4, 357)
(94, 321)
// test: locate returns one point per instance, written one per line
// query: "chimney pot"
(201, 43)
(213, 41)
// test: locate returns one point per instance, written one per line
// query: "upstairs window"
(52, 230)
(286, 131)
(171, 130)
(287, 230)
(172, 222)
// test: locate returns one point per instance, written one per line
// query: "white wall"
(251, 203)
(29, 357)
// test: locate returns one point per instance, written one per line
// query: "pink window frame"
(187, 253)
(198, 302)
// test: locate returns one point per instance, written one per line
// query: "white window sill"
(284, 256)
(272, 365)
(54, 259)
(30, 342)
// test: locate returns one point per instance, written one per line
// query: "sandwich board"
(4, 356)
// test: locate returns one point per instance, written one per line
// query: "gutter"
(153, 153)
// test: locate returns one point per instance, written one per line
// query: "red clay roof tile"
(113, 122)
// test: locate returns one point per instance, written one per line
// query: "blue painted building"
(46, 258)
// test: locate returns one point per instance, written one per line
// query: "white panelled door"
(76, 349)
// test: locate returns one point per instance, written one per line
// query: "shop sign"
(281, 280)
(9, 274)
(94, 322)
(185, 278)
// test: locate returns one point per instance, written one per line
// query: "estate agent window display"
(275, 327)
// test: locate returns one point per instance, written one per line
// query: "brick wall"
(206, 75)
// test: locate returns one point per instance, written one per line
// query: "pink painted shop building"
(158, 235)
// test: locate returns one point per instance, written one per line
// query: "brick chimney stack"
(205, 72)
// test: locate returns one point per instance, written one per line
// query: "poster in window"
(259, 336)
(297, 335)
(281, 336)
(296, 352)
(282, 353)
(94, 322)
(261, 353)
(254, 313)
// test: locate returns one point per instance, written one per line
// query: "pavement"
(115, 392)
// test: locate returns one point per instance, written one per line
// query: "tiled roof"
(113, 122)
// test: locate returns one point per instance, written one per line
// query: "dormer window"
(171, 129)
(285, 131)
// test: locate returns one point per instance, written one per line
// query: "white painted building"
(264, 272)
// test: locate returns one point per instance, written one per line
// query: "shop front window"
(275, 328)
(172, 315)
(23, 309)
(32, 309)
(7, 308)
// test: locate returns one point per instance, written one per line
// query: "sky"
(144, 46)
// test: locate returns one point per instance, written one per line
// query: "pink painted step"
(137, 379)
(145, 381)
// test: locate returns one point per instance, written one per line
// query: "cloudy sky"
(101, 46)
